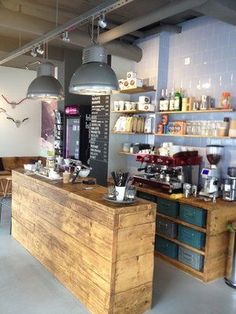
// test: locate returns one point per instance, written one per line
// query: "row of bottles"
(170, 101)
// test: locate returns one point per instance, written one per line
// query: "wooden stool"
(5, 185)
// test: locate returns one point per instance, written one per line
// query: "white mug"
(120, 190)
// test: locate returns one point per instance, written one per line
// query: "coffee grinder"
(211, 174)
(229, 185)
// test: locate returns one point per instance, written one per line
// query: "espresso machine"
(229, 185)
(211, 175)
(168, 173)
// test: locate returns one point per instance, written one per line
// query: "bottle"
(178, 101)
(166, 101)
(172, 101)
(162, 100)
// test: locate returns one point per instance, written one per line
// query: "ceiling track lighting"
(33, 53)
(102, 22)
(65, 37)
(40, 50)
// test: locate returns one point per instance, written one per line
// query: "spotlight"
(33, 53)
(65, 37)
(102, 22)
(40, 50)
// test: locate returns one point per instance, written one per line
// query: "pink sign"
(72, 110)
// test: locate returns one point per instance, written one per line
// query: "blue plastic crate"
(166, 227)
(146, 196)
(167, 207)
(166, 247)
(190, 258)
(192, 215)
(191, 237)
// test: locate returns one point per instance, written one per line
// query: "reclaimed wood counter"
(104, 254)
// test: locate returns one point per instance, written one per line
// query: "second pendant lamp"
(94, 76)
(45, 86)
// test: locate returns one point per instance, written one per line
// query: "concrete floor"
(26, 287)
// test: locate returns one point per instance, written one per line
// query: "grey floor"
(26, 287)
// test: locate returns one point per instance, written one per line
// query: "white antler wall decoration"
(13, 103)
(17, 122)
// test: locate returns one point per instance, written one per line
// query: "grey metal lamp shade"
(94, 76)
(45, 86)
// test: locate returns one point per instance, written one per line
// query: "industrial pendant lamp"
(94, 76)
(45, 86)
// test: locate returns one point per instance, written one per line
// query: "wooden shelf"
(129, 154)
(196, 111)
(181, 222)
(189, 247)
(197, 136)
(131, 133)
(143, 89)
(132, 111)
(180, 265)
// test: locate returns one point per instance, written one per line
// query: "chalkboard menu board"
(99, 137)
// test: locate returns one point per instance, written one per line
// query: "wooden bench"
(7, 164)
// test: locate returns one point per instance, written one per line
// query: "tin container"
(187, 189)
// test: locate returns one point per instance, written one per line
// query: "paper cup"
(120, 190)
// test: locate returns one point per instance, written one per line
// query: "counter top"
(103, 253)
(193, 201)
(93, 195)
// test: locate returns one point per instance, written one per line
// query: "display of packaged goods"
(131, 75)
(121, 83)
(148, 126)
(144, 100)
(135, 124)
(160, 128)
(176, 127)
(146, 107)
(164, 119)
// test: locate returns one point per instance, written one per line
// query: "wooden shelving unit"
(196, 111)
(132, 111)
(180, 265)
(181, 222)
(128, 154)
(197, 136)
(181, 244)
(131, 133)
(137, 90)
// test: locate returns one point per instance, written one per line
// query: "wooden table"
(102, 253)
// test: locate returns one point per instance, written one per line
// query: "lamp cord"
(57, 8)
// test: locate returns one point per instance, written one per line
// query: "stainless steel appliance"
(211, 174)
(168, 173)
(229, 185)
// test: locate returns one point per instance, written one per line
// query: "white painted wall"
(25, 140)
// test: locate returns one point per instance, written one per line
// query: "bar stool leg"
(6, 191)
(0, 211)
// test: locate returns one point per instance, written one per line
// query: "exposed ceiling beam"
(111, 25)
(171, 9)
(79, 39)
(224, 10)
(106, 6)
(38, 11)
(163, 28)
